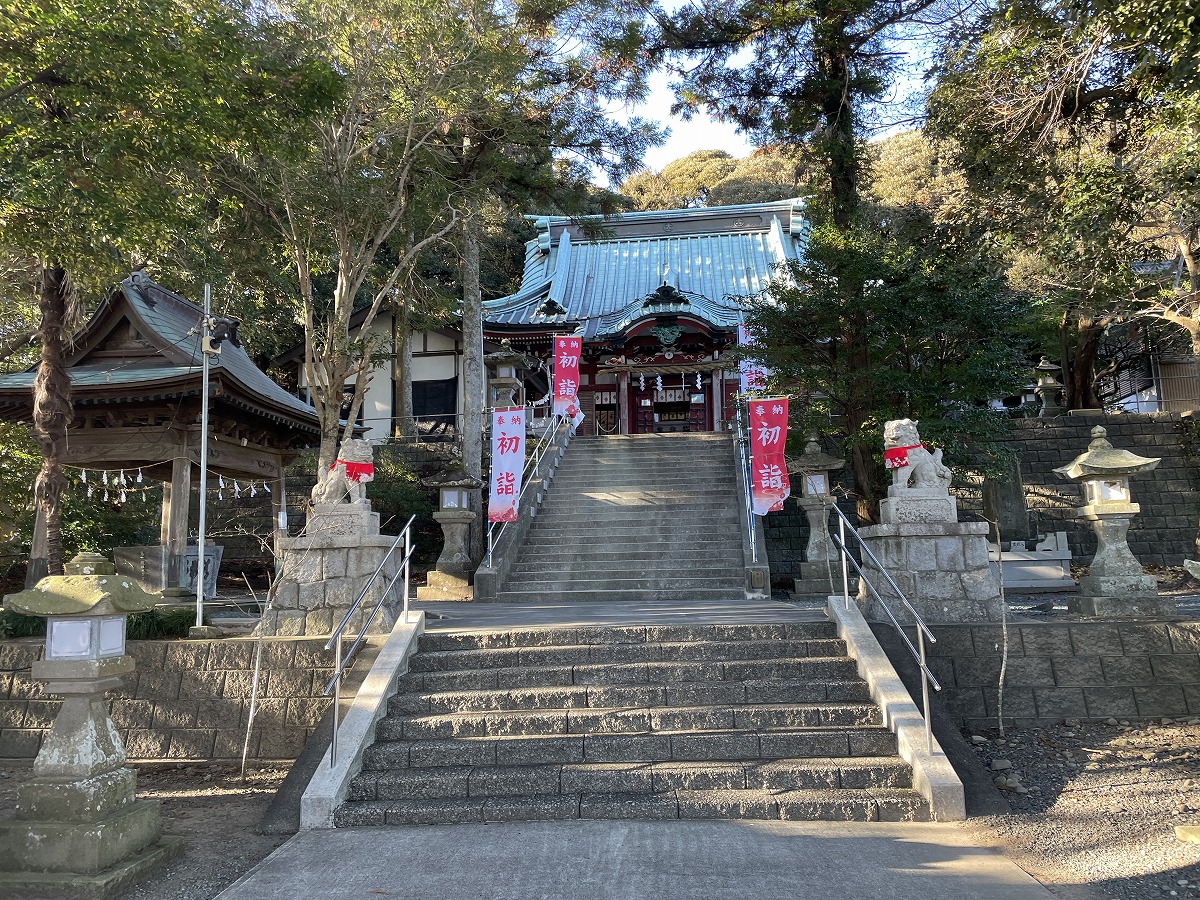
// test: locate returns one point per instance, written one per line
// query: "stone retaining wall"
(1056, 671)
(1163, 533)
(186, 699)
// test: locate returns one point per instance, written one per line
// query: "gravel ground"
(1095, 805)
(1094, 811)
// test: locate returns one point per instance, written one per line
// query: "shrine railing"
(844, 528)
(343, 661)
(554, 433)
(746, 462)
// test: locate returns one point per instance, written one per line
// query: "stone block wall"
(1056, 671)
(186, 699)
(1164, 532)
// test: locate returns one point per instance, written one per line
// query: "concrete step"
(817, 669)
(667, 586)
(644, 528)
(723, 552)
(719, 559)
(495, 781)
(662, 746)
(626, 634)
(593, 721)
(581, 595)
(610, 573)
(841, 806)
(645, 652)
(414, 701)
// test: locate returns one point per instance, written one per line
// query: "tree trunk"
(52, 414)
(1082, 393)
(472, 420)
(406, 425)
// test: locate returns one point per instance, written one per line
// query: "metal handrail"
(923, 632)
(335, 640)
(746, 461)
(532, 461)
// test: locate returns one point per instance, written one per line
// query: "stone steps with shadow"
(642, 517)
(756, 721)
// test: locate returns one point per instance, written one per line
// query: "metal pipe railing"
(746, 461)
(546, 441)
(335, 641)
(923, 632)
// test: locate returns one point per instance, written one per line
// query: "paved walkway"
(584, 860)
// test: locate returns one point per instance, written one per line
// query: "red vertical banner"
(753, 373)
(508, 463)
(768, 434)
(566, 376)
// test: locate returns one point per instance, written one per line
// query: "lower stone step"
(884, 804)
(451, 782)
(569, 749)
(411, 701)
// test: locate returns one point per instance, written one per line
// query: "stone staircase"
(746, 721)
(636, 517)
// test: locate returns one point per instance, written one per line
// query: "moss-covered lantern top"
(90, 587)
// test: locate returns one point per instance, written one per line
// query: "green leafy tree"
(714, 178)
(939, 339)
(110, 116)
(1073, 124)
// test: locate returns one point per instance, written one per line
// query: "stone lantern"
(505, 387)
(1048, 388)
(813, 469)
(1115, 585)
(77, 822)
(448, 580)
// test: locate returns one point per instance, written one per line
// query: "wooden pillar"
(177, 498)
(718, 404)
(279, 512)
(622, 403)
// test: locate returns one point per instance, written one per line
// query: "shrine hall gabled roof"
(590, 276)
(143, 343)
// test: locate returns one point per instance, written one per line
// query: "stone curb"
(330, 784)
(933, 776)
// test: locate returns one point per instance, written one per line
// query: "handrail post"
(337, 699)
(925, 695)
(407, 557)
(845, 563)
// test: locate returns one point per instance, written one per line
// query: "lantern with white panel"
(78, 818)
(1115, 584)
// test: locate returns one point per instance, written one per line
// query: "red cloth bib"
(357, 471)
(897, 457)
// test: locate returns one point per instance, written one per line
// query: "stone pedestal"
(939, 563)
(821, 572)
(78, 829)
(1044, 567)
(325, 569)
(1115, 584)
(448, 580)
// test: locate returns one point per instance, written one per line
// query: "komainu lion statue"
(346, 479)
(910, 460)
